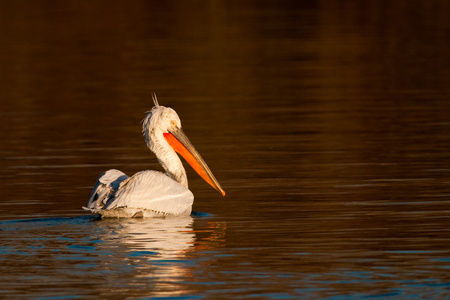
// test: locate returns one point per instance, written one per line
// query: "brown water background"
(326, 122)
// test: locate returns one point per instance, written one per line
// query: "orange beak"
(181, 144)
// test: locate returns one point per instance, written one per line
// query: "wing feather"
(107, 185)
(154, 191)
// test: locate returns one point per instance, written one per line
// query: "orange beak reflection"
(181, 144)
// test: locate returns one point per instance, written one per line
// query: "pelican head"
(165, 138)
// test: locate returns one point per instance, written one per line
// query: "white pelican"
(152, 193)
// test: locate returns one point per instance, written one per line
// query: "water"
(326, 124)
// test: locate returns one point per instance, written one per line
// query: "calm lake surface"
(326, 123)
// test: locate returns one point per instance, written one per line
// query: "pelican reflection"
(156, 253)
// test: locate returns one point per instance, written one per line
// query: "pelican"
(152, 193)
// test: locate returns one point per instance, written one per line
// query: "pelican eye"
(173, 123)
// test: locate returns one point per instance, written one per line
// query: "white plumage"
(152, 193)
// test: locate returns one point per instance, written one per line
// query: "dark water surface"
(326, 123)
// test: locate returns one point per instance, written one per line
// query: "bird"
(152, 193)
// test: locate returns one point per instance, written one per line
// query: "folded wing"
(144, 191)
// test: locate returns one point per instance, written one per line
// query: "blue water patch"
(411, 251)
(36, 223)
(226, 255)
(81, 247)
(445, 259)
(198, 214)
(142, 253)
(384, 295)
(61, 297)
(5, 250)
(63, 238)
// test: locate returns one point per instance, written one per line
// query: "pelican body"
(152, 193)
